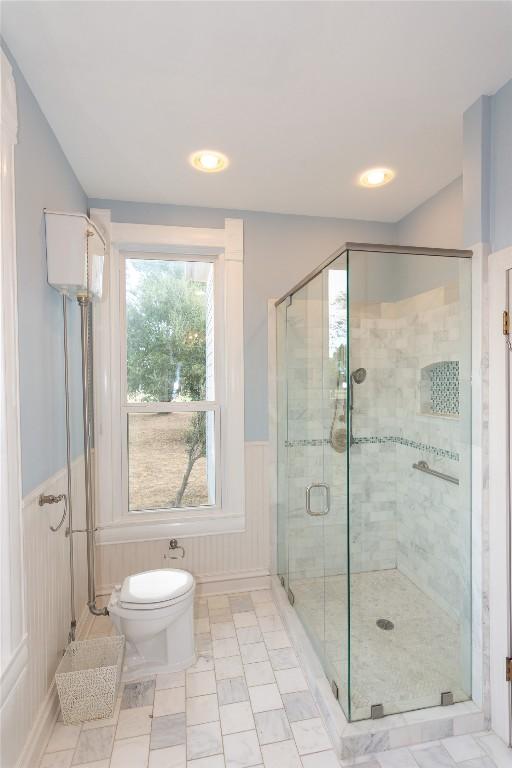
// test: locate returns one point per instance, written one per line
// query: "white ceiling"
(302, 97)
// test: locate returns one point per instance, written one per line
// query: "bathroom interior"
(254, 398)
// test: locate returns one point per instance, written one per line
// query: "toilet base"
(134, 669)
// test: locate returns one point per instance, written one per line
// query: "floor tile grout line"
(283, 708)
(409, 750)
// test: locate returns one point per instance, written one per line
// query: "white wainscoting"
(225, 561)
(230, 558)
(29, 710)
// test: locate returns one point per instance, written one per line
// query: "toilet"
(154, 610)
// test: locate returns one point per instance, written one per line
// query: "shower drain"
(385, 624)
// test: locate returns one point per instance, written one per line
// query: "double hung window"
(170, 417)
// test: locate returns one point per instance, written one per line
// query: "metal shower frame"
(374, 248)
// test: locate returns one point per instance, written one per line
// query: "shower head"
(359, 375)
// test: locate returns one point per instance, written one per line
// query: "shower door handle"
(327, 507)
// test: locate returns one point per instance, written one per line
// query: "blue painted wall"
(436, 223)
(43, 178)
(501, 168)
(279, 251)
(488, 170)
(476, 171)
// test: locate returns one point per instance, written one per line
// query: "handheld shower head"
(338, 437)
(359, 375)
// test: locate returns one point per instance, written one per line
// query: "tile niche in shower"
(440, 388)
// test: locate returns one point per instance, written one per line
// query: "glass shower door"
(308, 493)
(312, 484)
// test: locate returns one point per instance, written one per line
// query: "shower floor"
(405, 668)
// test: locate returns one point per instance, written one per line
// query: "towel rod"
(424, 467)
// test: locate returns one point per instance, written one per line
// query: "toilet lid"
(156, 586)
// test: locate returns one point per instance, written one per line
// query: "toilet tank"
(75, 254)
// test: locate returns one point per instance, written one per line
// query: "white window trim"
(13, 638)
(225, 248)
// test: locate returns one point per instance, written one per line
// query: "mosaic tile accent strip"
(424, 447)
(306, 443)
(444, 382)
(442, 452)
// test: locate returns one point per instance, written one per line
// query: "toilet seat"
(153, 590)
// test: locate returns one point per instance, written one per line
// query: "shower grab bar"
(327, 507)
(424, 467)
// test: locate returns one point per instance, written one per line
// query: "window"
(168, 363)
(170, 413)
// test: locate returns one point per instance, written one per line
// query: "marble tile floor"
(405, 668)
(244, 704)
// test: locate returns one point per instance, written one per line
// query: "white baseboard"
(219, 584)
(241, 582)
(41, 730)
(49, 709)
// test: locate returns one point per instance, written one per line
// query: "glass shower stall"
(374, 483)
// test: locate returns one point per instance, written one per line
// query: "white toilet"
(154, 610)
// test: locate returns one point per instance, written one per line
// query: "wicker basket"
(88, 679)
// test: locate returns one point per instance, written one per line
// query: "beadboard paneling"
(223, 556)
(47, 609)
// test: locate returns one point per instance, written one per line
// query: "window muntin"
(170, 427)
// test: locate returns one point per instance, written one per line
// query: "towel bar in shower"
(424, 467)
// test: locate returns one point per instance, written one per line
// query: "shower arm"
(84, 303)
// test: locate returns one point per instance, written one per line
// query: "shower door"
(312, 460)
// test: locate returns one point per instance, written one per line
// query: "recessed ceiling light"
(209, 161)
(376, 177)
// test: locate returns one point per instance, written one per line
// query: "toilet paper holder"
(173, 547)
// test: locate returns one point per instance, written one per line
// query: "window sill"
(135, 528)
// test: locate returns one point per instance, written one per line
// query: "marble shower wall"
(421, 522)
(434, 516)
(373, 346)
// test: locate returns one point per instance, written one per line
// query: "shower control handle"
(327, 507)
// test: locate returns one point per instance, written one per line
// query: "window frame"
(224, 249)
(128, 408)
